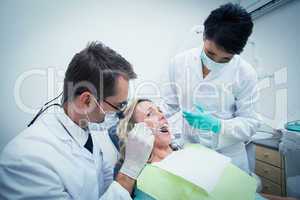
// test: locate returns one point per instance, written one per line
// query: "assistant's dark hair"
(229, 26)
(95, 69)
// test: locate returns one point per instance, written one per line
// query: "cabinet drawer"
(268, 171)
(268, 155)
(269, 187)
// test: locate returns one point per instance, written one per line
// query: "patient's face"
(150, 114)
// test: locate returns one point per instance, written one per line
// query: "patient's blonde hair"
(126, 125)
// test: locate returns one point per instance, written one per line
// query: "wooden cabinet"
(270, 167)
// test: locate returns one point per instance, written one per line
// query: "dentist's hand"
(138, 149)
(203, 120)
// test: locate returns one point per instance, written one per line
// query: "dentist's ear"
(86, 101)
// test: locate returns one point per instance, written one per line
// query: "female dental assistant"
(215, 88)
(61, 155)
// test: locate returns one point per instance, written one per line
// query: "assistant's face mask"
(211, 64)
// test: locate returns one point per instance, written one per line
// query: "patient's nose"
(161, 116)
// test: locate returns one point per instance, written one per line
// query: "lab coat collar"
(197, 62)
(78, 134)
(67, 131)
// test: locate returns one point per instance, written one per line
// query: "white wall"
(276, 35)
(40, 37)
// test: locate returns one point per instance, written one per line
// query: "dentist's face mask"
(211, 64)
(110, 120)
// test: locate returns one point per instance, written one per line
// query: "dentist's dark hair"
(95, 69)
(229, 26)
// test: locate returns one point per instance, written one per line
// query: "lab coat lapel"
(86, 167)
(75, 134)
(81, 152)
(105, 145)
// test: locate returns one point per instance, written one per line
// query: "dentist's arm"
(126, 182)
(138, 149)
(21, 178)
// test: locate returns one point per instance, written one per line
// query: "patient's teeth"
(164, 129)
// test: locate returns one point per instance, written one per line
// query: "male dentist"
(61, 155)
(215, 87)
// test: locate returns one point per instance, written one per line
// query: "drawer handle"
(266, 155)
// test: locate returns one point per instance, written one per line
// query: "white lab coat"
(229, 94)
(45, 162)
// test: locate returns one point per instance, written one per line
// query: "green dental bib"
(234, 184)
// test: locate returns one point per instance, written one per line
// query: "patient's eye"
(150, 112)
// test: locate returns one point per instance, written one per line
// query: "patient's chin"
(163, 139)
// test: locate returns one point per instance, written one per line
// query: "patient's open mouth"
(164, 129)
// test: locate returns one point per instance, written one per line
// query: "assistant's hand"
(203, 120)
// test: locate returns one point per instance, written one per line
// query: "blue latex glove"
(202, 120)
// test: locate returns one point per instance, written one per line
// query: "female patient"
(144, 110)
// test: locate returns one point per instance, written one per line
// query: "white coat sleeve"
(169, 91)
(20, 178)
(170, 102)
(116, 192)
(113, 190)
(246, 120)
